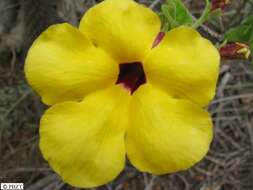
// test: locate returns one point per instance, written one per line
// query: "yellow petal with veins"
(63, 65)
(84, 142)
(165, 134)
(124, 28)
(185, 65)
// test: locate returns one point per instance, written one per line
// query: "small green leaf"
(175, 14)
(168, 16)
(248, 20)
(240, 33)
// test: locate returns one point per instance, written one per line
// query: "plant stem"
(204, 15)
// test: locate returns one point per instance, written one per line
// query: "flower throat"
(131, 76)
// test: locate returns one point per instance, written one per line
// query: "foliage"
(242, 33)
(174, 13)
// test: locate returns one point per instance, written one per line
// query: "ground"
(229, 163)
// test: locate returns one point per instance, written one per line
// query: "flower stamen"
(131, 76)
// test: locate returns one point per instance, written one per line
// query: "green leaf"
(175, 14)
(248, 20)
(240, 33)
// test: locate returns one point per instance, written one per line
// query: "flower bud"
(235, 51)
(219, 4)
(158, 39)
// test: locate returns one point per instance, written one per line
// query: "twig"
(209, 31)
(28, 170)
(23, 97)
(250, 130)
(152, 6)
(43, 182)
(232, 98)
(149, 184)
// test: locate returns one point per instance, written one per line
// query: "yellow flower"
(113, 95)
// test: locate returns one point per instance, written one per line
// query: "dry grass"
(228, 166)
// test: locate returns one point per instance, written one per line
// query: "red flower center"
(131, 76)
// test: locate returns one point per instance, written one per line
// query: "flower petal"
(62, 65)
(166, 134)
(185, 65)
(84, 142)
(124, 28)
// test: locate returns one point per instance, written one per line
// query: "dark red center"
(131, 76)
